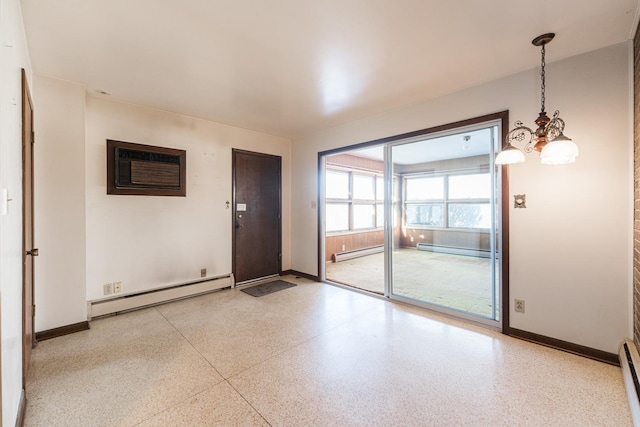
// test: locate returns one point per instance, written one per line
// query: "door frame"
(28, 313)
(503, 239)
(235, 151)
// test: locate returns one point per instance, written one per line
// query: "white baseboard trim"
(120, 303)
(630, 364)
(343, 256)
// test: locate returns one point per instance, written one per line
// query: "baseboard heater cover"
(630, 364)
(117, 304)
(453, 251)
(343, 256)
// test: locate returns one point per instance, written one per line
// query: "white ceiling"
(292, 67)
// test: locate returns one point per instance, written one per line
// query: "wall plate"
(520, 201)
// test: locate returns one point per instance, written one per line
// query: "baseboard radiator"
(630, 364)
(102, 307)
(343, 256)
(451, 250)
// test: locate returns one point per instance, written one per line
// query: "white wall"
(571, 248)
(88, 238)
(13, 57)
(148, 241)
(60, 289)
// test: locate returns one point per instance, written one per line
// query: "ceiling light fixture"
(550, 142)
(466, 144)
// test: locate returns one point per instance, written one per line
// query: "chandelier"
(550, 142)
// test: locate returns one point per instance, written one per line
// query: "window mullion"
(351, 201)
(445, 202)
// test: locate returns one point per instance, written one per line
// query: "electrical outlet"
(343, 248)
(117, 287)
(107, 288)
(519, 305)
(203, 272)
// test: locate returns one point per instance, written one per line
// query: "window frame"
(445, 202)
(352, 201)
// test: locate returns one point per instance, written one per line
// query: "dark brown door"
(28, 253)
(256, 213)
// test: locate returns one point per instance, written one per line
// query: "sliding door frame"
(503, 118)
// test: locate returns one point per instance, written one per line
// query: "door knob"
(33, 252)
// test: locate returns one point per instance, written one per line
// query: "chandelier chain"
(542, 76)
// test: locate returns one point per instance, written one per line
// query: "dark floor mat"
(267, 288)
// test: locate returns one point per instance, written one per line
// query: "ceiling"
(293, 67)
(430, 149)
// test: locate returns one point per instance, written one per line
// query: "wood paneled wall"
(367, 239)
(352, 241)
(355, 241)
(355, 162)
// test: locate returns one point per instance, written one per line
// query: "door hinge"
(34, 310)
(33, 137)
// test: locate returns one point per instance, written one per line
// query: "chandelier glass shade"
(548, 139)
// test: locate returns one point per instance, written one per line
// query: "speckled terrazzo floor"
(312, 355)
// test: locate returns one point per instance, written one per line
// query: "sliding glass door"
(417, 218)
(446, 255)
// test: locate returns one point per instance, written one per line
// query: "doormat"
(267, 288)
